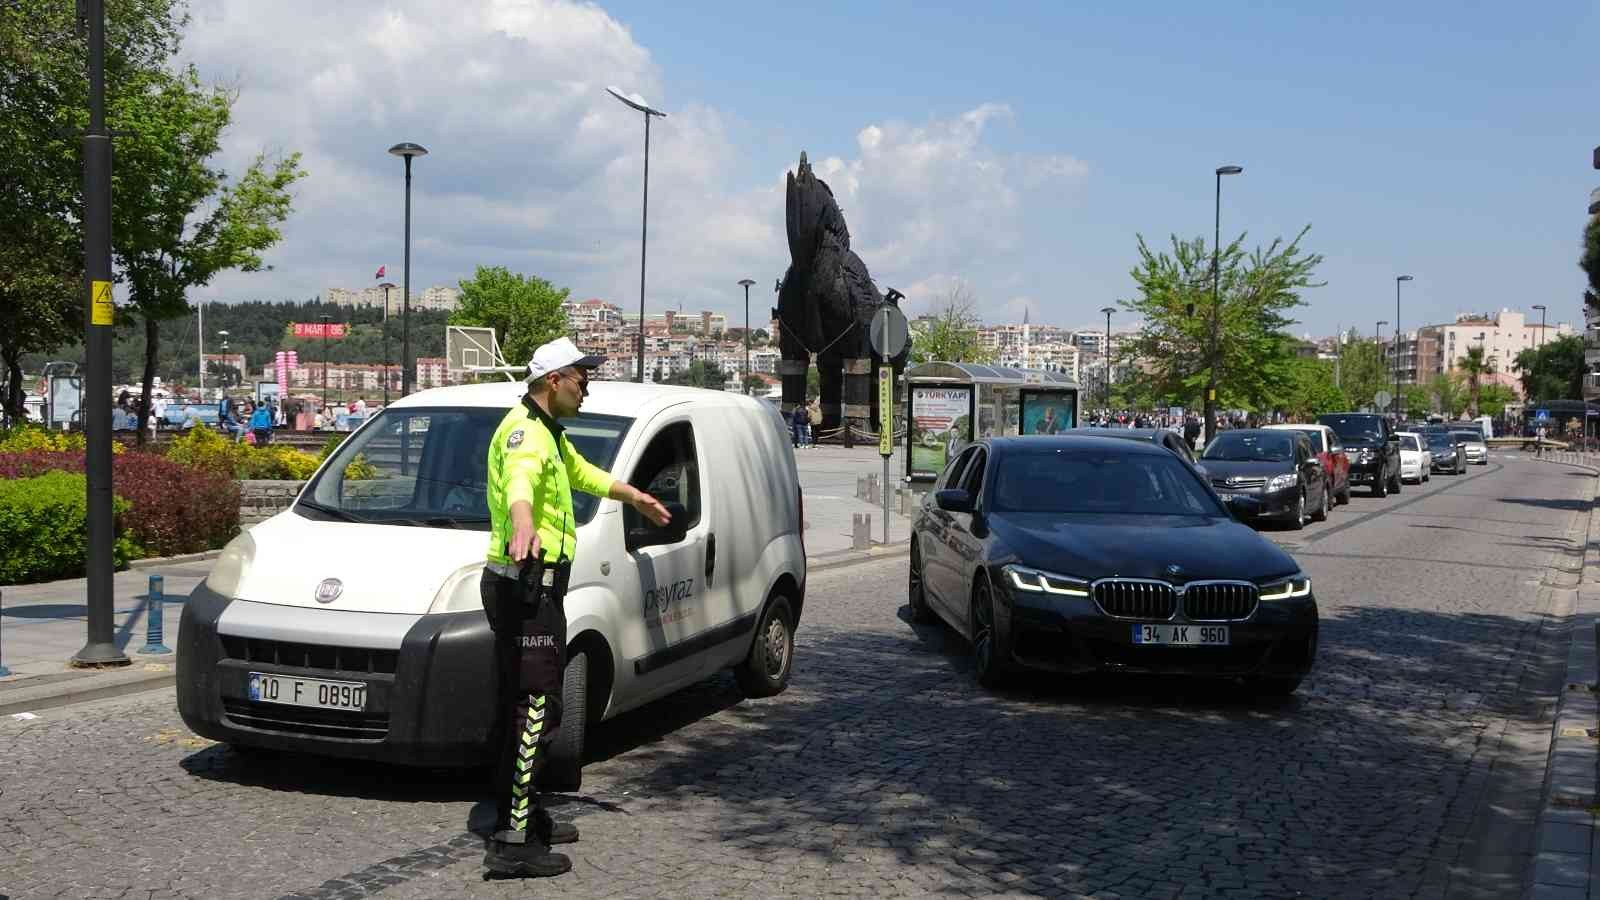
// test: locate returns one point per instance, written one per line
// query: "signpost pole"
(886, 435)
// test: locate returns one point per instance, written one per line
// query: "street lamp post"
(744, 385)
(1108, 310)
(1377, 332)
(644, 216)
(407, 150)
(324, 363)
(387, 287)
(223, 336)
(1216, 312)
(1397, 280)
(1538, 348)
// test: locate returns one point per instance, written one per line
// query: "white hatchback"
(351, 624)
(1416, 460)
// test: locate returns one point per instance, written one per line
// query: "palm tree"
(1474, 366)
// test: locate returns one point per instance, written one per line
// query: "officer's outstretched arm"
(648, 506)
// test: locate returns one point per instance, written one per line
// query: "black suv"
(1374, 449)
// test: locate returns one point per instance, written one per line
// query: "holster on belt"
(543, 581)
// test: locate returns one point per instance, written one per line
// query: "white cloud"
(533, 166)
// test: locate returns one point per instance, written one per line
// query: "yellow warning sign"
(886, 411)
(101, 310)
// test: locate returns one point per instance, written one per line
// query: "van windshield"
(428, 467)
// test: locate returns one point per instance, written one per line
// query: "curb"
(1564, 852)
(842, 558)
(162, 561)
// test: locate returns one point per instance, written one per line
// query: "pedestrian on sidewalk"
(797, 424)
(261, 424)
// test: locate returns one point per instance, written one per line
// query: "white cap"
(558, 354)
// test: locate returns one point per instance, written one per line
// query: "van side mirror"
(648, 535)
(953, 500)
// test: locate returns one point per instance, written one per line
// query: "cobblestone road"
(885, 771)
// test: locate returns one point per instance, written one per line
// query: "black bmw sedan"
(1078, 554)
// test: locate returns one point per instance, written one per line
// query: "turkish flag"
(380, 272)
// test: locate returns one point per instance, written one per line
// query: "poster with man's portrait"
(1047, 412)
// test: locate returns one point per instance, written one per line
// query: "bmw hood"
(378, 568)
(1101, 546)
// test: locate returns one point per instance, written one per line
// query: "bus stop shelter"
(950, 405)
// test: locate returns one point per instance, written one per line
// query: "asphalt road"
(1408, 765)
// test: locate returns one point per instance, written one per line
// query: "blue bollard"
(153, 617)
(3, 670)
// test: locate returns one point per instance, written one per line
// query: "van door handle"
(711, 557)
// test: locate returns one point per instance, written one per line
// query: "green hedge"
(44, 529)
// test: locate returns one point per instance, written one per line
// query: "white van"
(386, 654)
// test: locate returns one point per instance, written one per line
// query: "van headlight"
(232, 566)
(1293, 586)
(1034, 581)
(460, 592)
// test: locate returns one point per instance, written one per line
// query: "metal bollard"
(860, 531)
(153, 618)
(3, 670)
(861, 487)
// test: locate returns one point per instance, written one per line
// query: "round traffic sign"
(1381, 399)
(888, 332)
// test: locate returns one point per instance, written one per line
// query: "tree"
(1311, 390)
(700, 374)
(1415, 401)
(43, 107)
(1589, 261)
(952, 336)
(1553, 371)
(755, 385)
(1246, 324)
(177, 220)
(1493, 397)
(1446, 393)
(1473, 367)
(1362, 370)
(524, 310)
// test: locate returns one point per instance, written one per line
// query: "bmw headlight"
(460, 592)
(1034, 581)
(232, 566)
(1282, 482)
(1284, 589)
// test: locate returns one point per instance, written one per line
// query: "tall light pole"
(644, 217)
(387, 287)
(407, 150)
(744, 386)
(1538, 348)
(1108, 310)
(100, 647)
(1377, 332)
(223, 336)
(324, 363)
(1216, 312)
(1397, 280)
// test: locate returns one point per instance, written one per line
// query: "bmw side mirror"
(954, 500)
(648, 535)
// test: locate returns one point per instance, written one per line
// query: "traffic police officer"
(533, 469)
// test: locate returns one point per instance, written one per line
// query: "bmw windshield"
(428, 467)
(1060, 481)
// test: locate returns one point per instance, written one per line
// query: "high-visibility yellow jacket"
(530, 459)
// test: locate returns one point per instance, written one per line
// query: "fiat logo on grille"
(329, 590)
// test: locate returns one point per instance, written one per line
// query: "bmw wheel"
(916, 588)
(989, 648)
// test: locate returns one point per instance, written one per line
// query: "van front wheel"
(765, 672)
(563, 767)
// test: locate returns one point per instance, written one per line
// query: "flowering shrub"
(32, 437)
(42, 525)
(277, 462)
(173, 508)
(202, 448)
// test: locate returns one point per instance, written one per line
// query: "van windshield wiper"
(339, 514)
(441, 521)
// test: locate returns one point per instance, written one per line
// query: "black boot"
(550, 831)
(530, 860)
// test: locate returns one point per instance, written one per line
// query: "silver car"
(1472, 442)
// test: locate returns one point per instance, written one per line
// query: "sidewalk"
(1567, 858)
(43, 625)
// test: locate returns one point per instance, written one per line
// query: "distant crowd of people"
(246, 420)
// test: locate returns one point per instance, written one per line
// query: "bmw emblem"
(329, 590)
(1174, 570)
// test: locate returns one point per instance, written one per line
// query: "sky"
(1017, 150)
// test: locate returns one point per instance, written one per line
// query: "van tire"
(563, 766)
(763, 673)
